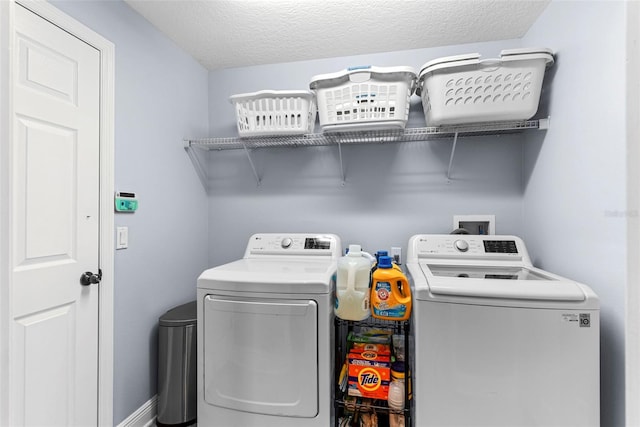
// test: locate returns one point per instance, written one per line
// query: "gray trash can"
(177, 404)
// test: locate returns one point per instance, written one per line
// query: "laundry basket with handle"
(466, 89)
(364, 98)
(274, 112)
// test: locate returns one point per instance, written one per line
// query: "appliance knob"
(461, 245)
(286, 242)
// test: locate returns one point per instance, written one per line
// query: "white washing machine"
(497, 341)
(265, 334)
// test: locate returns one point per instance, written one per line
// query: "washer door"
(261, 355)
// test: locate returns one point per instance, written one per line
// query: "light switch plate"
(396, 254)
(122, 237)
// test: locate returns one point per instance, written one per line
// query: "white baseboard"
(144, 416)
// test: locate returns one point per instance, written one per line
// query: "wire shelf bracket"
(453, 151)
(253, 167)
(198, 163)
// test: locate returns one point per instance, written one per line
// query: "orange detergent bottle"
(390, 292)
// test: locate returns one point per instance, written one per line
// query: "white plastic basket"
(464, 89)
(271, 112)
(364, 98)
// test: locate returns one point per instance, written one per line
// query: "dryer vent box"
(475, 224)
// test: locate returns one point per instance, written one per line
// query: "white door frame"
(632, 321)
(106, 255)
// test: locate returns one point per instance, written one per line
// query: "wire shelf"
(366, 137)
(339, 139)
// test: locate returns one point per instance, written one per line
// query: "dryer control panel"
(324, 245)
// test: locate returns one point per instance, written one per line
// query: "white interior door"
(55, 226)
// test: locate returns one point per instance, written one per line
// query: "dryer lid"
(290, 276)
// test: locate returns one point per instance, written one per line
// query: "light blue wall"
(575, 192)
(563, 190)
(392, 191)
(161, 97)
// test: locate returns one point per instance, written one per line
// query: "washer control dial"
(286, 242)
(461, 245)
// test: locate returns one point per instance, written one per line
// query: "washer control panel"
(294, 244)
(466, 246)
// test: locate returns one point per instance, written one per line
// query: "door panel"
(44, 374)
(46, 216)
(55, 226)
(45, 70)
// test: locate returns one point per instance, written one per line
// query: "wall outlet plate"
(475, 224)
(126, 202)
(396, 254)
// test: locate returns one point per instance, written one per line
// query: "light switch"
(122, 237)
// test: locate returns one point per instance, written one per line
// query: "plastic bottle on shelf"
(381, 253)
(398, 375)
(390, 292)
(352, 285)
(395, 400)
(397, 387)
(374, 265)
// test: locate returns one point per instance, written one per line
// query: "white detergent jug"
(352, 285)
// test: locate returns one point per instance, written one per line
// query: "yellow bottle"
(390, 292)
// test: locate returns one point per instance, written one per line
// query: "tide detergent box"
(369, 375)
(361, 347)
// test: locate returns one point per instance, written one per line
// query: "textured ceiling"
(237, 33)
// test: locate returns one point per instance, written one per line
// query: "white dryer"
(265, 334)
(497, 341)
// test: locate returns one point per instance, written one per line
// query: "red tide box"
(369, 375)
